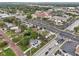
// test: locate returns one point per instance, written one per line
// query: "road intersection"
(49, 27)
(46, 25)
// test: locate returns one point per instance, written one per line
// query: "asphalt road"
(50, 45)
(46, 25)
(53, 51)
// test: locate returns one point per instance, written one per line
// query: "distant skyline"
(39, 0)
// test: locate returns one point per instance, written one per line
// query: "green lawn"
(8, 52)
(10, 33)
(2, 54)
(44, 33)
(17, 38)
(23, 47)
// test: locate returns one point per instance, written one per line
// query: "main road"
(50, 45)
(44, 24)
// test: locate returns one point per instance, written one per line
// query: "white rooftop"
(71, 27)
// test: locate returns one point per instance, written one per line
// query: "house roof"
(9, 24)
(41, 14)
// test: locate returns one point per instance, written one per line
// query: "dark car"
(46, 53)
(49, 49)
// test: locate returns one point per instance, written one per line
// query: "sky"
(39, 0)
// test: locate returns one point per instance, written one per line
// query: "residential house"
(35, 43)
(16, 29)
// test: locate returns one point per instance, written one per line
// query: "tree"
(76, 29)
(10, 19)
(16, 39)
(29, 16)
(59, 13)
(25, 41)
(34, 35)
(2, 44)
(27, 32)
(17, 22)
(2, 23)
(23, 27)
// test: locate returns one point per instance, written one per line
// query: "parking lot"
(69, 47)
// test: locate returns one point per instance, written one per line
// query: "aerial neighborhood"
(30, 29)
